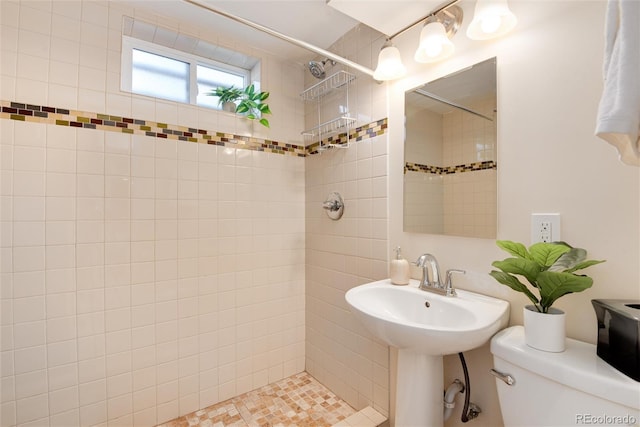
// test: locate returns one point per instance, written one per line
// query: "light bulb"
(433, 50)
(390, 66)
(491, 18)
(490, 24)
(434, 44)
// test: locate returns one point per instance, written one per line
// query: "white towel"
(618, 119)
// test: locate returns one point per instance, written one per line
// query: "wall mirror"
(450, 154)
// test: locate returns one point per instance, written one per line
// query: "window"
(162, 72)
(159, 76)
(210, 78)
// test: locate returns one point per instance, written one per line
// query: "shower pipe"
(453, 104)
(286, 38)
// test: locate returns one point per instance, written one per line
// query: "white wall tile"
(61, 280)
(60, 257)
(32, 408)
(34, 19)
(27, 158)
(93, 414)
(8, 413)
(63, 400)
(28, 184)
(62, 354)
(29, 309)
(31, 384)
(120, 384)
(61, 329)
(28, 233)
(60, 208)
(30, 359)
(60, 232)
(60, 184)
(65, 419)
(93, 392)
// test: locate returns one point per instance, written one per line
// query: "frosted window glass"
(209, 79)
(159, 76)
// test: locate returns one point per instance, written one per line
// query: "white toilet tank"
(571, 388)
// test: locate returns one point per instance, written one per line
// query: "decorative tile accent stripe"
(79, 119)
(358, 134)
(448, 170)
(106, 122)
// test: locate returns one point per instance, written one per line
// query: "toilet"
(571, 388)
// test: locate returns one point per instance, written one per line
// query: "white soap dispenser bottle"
(399, 269)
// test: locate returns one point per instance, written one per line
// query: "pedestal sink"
(424, 327)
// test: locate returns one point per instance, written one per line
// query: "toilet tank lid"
(578, 367)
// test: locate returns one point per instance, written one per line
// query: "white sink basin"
(423, 322)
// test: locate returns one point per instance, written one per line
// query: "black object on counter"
(619, 334)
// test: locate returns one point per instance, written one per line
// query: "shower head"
(317, 68)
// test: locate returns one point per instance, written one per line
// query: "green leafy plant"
(226, 94)
(549, 268)
(251, 101)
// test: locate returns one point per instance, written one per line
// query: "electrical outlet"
(545, 227)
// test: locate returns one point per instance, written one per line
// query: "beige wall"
(549, 84)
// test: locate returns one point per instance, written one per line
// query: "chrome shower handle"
(332, 205)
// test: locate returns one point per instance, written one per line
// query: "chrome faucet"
(431, 282)
(427, 261)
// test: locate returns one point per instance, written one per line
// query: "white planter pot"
(544, 331)
(229, 106)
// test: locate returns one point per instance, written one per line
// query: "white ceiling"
(386, 16)
(318, 22)
(309, 20)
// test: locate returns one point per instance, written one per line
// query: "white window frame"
(131, 43)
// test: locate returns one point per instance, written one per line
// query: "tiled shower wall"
(342, 254)
(141, 278)
(144, 279)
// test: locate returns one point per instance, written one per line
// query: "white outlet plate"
(545, 227)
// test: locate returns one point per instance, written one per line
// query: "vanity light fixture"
(492, 18)
(434, 43)
(390, 66)
(435, 38)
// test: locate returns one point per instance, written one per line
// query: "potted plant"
(549, 269)
(251, 102)
(227, 97)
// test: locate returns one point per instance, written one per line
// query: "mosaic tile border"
(106, 122)
(448, 170)
(360, 133)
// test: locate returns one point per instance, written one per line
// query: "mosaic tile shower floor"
(298, 400)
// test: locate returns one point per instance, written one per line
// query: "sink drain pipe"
(450, 397)
(470, 410)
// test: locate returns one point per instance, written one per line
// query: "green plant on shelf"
(251, 102)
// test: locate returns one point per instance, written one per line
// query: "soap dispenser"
(399, 269)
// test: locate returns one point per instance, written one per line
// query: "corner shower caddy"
(340, 124)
